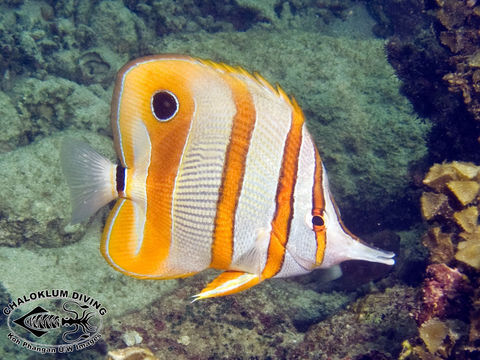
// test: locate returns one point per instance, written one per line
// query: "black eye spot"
(164, 105)
(317, 221)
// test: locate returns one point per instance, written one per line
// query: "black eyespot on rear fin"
(317, 220)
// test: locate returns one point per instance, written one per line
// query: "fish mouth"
(369, 253)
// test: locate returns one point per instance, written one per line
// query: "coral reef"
(444, 291)
(461, 21)
(264, 324)
(448, 318)
(57, 66)
(415, 50)
(454, 203)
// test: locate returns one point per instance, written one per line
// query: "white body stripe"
(256, 205)
(301, 245)
(121, 202)
(142, 157)
(136, 189)
(109, 232)
(200, 176)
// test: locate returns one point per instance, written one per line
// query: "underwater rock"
(266, 9)
(5, 298)
(14, 129)
(56, 104)
(271, 320)
(440, 245)
(367, 329)
(38, 211)
(451, 205)
(109, 15)
(13, 2)
(443, 292)
(461, 21)
(98, 66)
(474, 335)
(414, 48)
(172, 17)
(39, 39)
(402, 19)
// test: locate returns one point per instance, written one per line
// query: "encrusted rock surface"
(264, 323)
(448, 317)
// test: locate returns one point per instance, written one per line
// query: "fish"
(216, 169)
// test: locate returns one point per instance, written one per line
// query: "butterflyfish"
(216, 170)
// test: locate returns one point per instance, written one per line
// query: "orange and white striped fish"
(217, 170)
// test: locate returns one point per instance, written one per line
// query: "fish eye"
(164, 105)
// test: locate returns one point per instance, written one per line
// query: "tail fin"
(90, 176)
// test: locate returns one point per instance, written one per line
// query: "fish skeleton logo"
(39, 321)
(71, 321)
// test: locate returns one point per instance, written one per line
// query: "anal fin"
(252, 260)
(228, 282)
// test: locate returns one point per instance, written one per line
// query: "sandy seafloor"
(57, 68)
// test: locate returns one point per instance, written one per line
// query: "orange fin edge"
(227, 283)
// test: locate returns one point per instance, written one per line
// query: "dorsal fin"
(258, 79)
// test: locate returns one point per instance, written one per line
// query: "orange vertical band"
(318, 206)
(284, 199)
(233, 173)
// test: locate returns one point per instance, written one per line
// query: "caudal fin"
(90, 177)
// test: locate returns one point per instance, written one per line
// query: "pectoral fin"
(228, 282)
